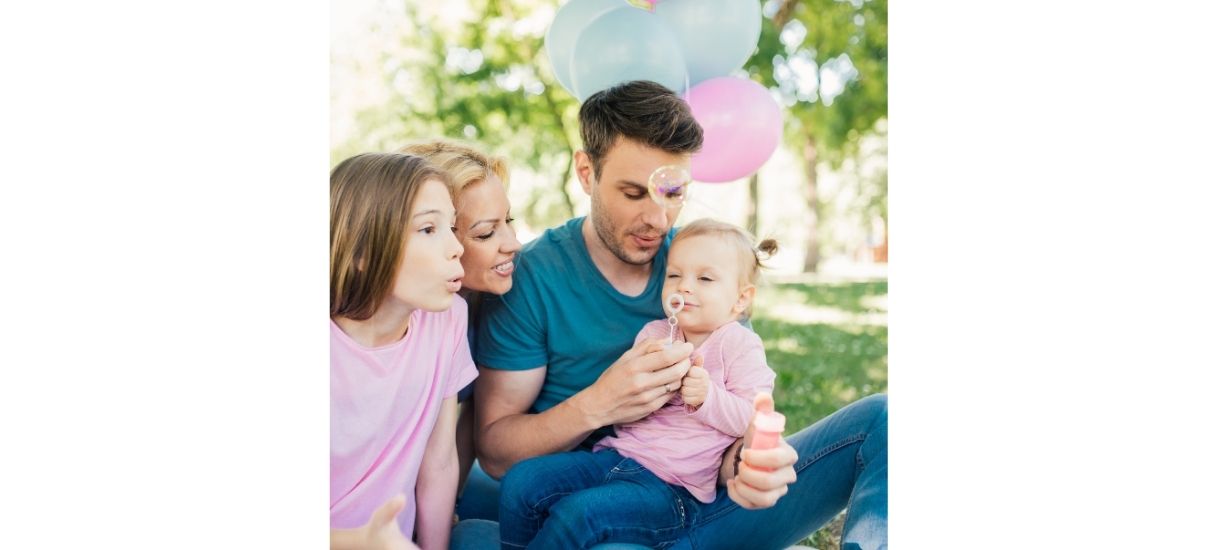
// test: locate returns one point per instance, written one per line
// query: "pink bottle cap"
(769, 422)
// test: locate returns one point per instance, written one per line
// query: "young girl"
(646, 484)
(398, 353)
(484, 227)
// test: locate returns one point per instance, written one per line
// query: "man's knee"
(520, 484)
(877, 405)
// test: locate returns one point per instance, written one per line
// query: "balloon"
(741, 127)
(625, 44)
(560, 39)
(716, 36)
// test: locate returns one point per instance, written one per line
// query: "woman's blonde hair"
(465, 164)
(749, 256)
(371, 196)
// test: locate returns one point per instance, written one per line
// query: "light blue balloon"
(626, 44)
(716, 36)
(560, 40)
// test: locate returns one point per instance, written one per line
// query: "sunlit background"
(478, 70)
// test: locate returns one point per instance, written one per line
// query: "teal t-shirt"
(564, 314)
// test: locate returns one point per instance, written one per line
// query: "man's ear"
(584, 170)
(744, 299)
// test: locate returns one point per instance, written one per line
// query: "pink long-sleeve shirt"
(684, 447)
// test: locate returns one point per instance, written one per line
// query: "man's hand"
(763, 475)
(640, 382)
(695, 384)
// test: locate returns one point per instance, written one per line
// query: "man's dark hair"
(640, 110)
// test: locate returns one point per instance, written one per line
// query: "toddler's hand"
(695, 383)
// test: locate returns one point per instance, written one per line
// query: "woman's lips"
(505, 269)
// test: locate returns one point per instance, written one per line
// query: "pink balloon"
(741, 124)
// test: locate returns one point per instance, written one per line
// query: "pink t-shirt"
(685, 448)
(384, 403)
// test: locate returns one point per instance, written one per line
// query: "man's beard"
(606, 233)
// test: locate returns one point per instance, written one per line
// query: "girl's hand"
(695, 383)
(382, 530)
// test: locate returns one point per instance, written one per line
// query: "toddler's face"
(705, 270)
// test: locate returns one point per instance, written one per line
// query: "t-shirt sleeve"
(511, 333)
(462, 370)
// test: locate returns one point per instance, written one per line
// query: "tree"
(485, 79)
(828, 60)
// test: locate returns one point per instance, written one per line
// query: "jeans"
(842, 462)
(579, 499)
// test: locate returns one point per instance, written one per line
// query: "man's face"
(628, 222)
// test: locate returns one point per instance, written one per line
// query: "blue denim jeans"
(842, 463)
(579, 499)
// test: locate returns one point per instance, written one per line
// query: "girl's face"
(705, 271)
(430, 272)
(484, 231)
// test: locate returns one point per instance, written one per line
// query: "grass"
(828, 344)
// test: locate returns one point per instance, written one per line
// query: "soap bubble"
(669, 185)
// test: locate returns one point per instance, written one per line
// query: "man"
(558, 368)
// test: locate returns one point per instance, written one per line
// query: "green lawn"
(828, 345)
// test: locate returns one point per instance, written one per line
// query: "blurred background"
(478, 70)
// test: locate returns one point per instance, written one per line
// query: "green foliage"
(485, 80)
(848, 38)
(823, 366)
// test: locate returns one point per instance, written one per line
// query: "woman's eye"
(509, 220)
(484, 237)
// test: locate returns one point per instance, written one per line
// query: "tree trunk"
(784, 14)
(809, 154)
(752, 206)
(558, 118)
(563, 186)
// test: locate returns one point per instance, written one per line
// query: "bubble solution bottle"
(768, 428)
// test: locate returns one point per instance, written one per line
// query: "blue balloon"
(560, 40)
(626, 44)
(716, 36)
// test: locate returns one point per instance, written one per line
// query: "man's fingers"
(750, 497)
(783, 456)
(644, 347)
(668, 375)
(658, 402)
(664, 357)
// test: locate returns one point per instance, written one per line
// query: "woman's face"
(484, 231)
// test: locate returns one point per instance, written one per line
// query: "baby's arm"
(730, 408)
